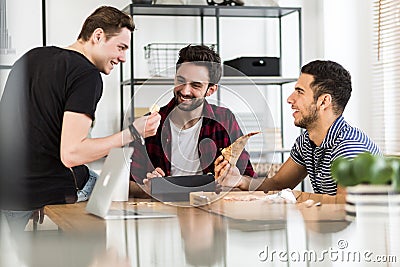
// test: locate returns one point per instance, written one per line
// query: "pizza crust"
(154, 108)
(233, 152)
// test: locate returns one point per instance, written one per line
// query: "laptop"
(178, 188)
(112, 173)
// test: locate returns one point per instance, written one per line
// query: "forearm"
(248, 183)
(289, 175)
(91, 149)
(76, 148)
(271, 184)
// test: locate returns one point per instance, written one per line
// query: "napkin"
(284, 195)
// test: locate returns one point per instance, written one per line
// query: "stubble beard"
(307, 121)
(185, 106)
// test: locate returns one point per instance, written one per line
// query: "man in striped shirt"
(318, 101)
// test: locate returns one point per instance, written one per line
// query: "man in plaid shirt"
(192, 132)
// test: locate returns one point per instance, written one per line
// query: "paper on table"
(286, 195)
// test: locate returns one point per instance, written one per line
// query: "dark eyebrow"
(183, 78)
(299, 89)
(194, 82)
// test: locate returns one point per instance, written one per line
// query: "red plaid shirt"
(219, 129)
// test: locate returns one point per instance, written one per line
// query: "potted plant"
(372, 182)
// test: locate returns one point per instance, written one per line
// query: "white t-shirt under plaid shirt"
(341, 140)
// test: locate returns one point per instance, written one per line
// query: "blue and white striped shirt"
(341, 140)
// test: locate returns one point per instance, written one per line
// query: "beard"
(188, 105)
(308, 119)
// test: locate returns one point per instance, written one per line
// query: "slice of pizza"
(154, 108)
(232, 152)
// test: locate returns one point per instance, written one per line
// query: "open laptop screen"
(116, 169)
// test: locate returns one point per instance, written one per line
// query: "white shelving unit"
(201, 12)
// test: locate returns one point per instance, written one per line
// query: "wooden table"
(74, 217)
(230, 233)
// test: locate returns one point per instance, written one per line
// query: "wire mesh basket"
(161, 57)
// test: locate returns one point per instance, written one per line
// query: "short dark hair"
(202, 55)
(110, 19)
(330, 78)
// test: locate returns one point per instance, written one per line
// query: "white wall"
(348, 40)
(24, 29)
(65, 19)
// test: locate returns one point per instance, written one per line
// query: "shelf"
(217, 14)
(280, 150)
(270, 151)
(210, 11)
(256, 154)
(272, 80)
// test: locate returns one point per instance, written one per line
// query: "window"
(385, 110)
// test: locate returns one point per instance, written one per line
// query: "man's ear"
(98, 35)
(212, 89)
(325, 100)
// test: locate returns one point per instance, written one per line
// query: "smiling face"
(109, 52)
(302, 102)
(191, 86)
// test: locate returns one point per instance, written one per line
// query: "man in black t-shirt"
(46, 111)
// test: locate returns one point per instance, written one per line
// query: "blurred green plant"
(366, 168)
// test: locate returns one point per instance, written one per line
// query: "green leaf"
(396, 174)
(342, 172)
(381, 171)
(362, 165)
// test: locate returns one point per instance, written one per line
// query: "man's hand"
(158, 172)
(227, 175)
(147, 125)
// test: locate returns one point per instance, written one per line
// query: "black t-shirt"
(42, 85)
